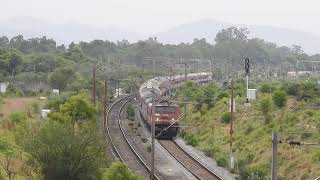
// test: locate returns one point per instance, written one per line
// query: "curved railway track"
(121, 145)
(195, 167)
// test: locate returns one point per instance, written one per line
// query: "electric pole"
(231, 126)
(274, 155)
(152, 142)
(247, 70)
(94, 84)
(211, 68)
(185, 99)
(105, 101)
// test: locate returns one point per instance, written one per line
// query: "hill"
(206, 28)
(208, 130)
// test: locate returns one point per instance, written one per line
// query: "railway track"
(120, 143)
(195, 167)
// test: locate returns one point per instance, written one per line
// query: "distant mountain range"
(63, 33)
(206, 28)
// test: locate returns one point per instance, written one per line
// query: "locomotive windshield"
(165, 109)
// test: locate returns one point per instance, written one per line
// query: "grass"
(252, 139)
(13, 111)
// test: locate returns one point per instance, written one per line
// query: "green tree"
(15, 61)
(265, 107)
(226, 117)
(267, 87)
(61, 77)
(64, 154)
(119, 171)
(17, 117)
(9, 162)
(79, 109)
(232, 33)
(280, 98)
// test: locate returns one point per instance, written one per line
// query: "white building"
(3, 87)
(44, 113)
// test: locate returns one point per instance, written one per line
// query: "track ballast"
(188, 161)
(121, 145)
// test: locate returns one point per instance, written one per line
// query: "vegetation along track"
(121, 145)
(195, 167)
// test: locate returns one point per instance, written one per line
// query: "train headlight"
(157, 119)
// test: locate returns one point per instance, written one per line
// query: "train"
(155, 104)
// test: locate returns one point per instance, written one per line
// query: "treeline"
(39, 58)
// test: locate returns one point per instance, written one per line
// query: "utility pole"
(154, 66)
(171, 79)
(185, 99)
(274, 155)
(119, 73)
(247, 70)
(152, 142)
(231, 126)
(211, 68)
(94, 84)
(105, 101)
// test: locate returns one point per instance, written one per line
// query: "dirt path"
(10, 105)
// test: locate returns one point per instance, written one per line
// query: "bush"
(14, 91)
(17, 117)
(257, 173)
(280, 98)
(130, 113)
(212, 150)
(265, 108)
(267, 87)
(226, 117)
(190, 139)
(61, 152)
(292, 88)
(119, 171)
(221, 161)
(222, 95)
(35, 107)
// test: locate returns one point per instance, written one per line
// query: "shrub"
(17, 117)
(265, 108)
(226, 117)
(221, 161)
(130, 113)
(212, 150)
(222, 95)
(280, 98)
(191, 139)
(291, 88)
(267, 87)
(119, 171)
(13, 90)
(257, 172)
(35, 106)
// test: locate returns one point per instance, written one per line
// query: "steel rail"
(141, 160)
(192, 158)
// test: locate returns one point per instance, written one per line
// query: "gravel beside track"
(120, 144)
(195, 167)
(205, 160)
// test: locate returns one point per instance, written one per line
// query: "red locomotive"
(153, 105)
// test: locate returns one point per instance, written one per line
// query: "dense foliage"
(42, 60)
(273, 110)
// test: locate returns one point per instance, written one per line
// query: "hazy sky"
(151, 16)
